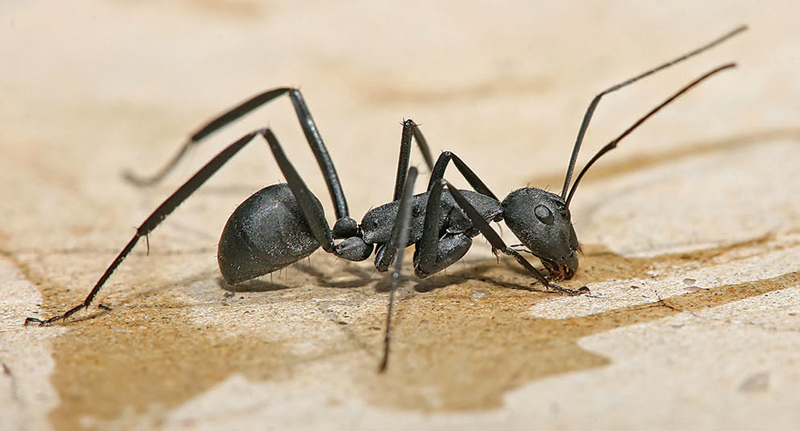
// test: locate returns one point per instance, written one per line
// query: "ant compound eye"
(543, 214)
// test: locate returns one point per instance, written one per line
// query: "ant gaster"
(284, 223)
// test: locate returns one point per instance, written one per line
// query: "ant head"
(541, 220)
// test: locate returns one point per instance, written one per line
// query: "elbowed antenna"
(613, 144)
(593, 105)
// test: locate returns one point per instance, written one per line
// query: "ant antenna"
(613, 144)
(590, 110)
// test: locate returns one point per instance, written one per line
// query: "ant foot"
(581, 291)
(50, 321)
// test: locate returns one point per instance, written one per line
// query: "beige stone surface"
(691, 229)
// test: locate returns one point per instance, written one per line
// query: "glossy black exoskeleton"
(283, 223)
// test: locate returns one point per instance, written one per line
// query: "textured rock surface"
(691, 230)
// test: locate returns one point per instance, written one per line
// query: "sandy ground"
(691, 230)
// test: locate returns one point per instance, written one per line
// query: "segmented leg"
(306, 122)
(436, 251)
(410, 129)
(398, 242)
(312, 212)
(441, 165)
(152, 221)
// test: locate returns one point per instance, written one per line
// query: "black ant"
(283, 223)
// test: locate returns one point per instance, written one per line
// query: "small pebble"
(480, 293)
(758, 382)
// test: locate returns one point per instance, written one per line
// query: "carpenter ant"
(283, 223)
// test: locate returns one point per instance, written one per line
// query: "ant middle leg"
(397, 244)
(410, 130)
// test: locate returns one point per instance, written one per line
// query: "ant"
(284, 223)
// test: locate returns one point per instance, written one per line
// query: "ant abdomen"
(265, 233)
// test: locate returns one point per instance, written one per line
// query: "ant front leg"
(498, 245)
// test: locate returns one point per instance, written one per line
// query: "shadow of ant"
(363, 276)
